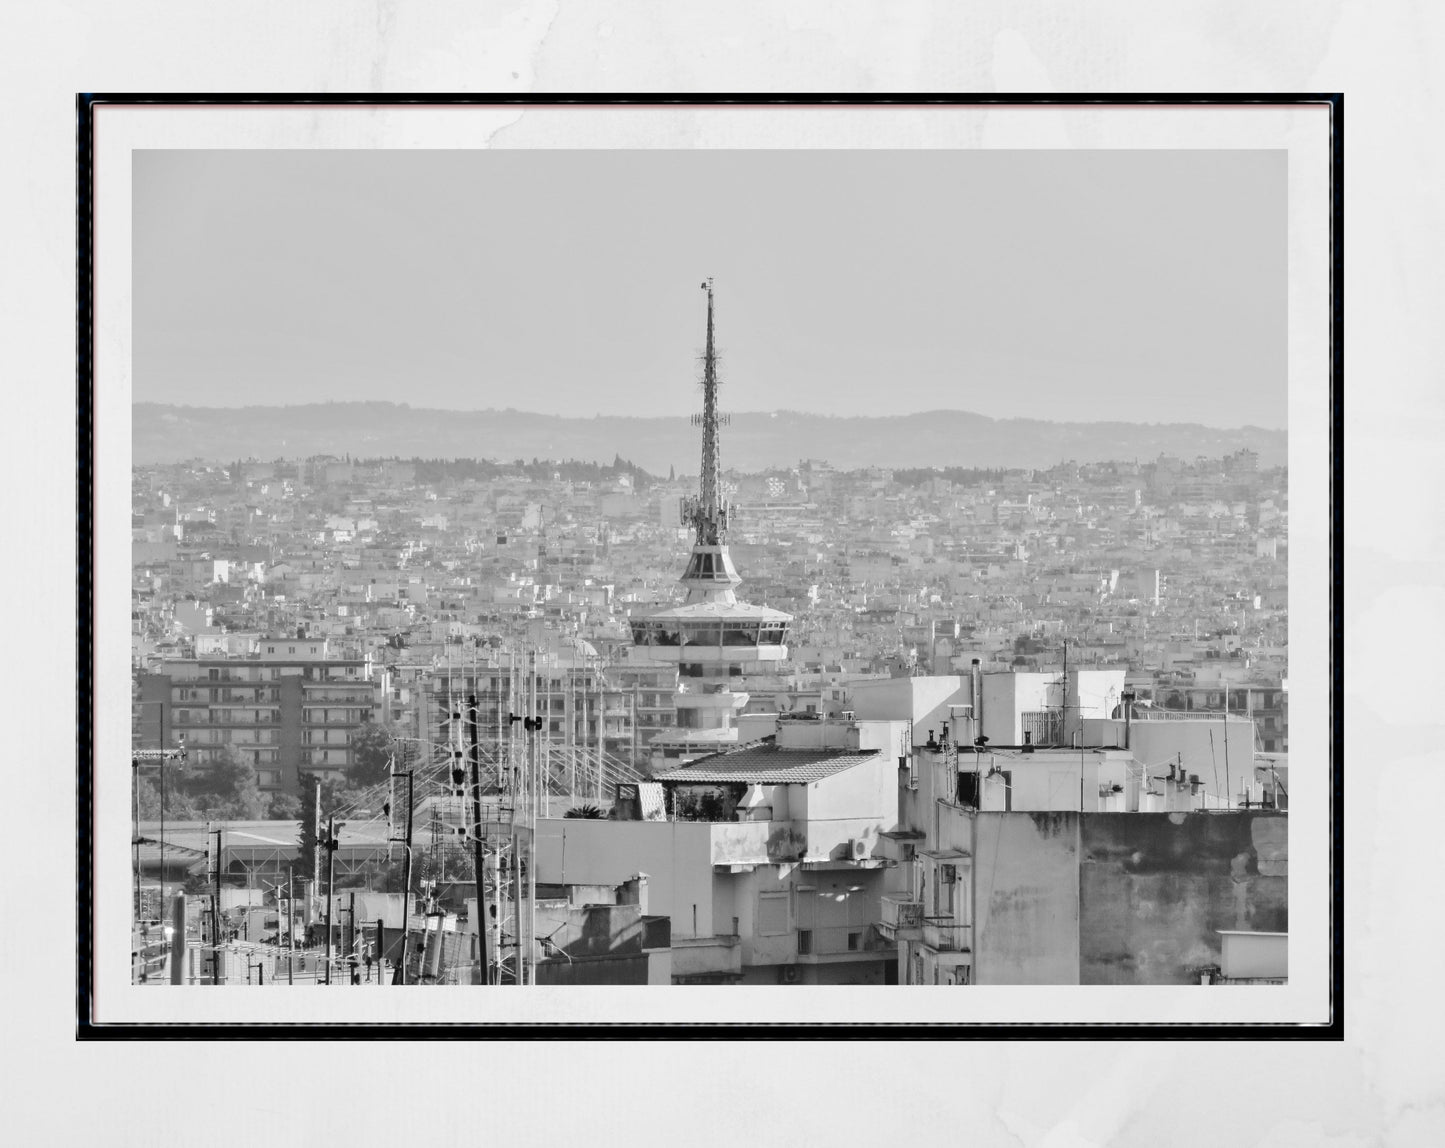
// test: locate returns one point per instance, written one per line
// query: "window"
(854, 942)
(740, 634)
(772, 914)
(805, 942)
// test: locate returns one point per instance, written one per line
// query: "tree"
(306, 839)
(285, 807)
(223, 788)
(371, 749)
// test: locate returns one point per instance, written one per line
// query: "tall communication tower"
(706, 510)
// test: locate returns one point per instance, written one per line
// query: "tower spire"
(710, 574)
(710, 514)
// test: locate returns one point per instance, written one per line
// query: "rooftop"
(763, 763)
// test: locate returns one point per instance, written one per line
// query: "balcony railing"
(901, 914)
(945, 935)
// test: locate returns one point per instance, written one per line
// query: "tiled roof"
(766, 764)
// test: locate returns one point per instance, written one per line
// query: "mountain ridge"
(752, 441)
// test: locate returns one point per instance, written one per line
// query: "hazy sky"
(1141, 285)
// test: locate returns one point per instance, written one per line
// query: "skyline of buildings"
(714, 791)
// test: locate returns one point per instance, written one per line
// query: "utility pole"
(135, 832)
(291, 924)
(218, 966)
(330, 889)
(316, 845)
(178, 940)
(405, 886)
(535, 796)
(160, 756)
(494, 975)
(474, 755)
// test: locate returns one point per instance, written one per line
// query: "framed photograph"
(711, 566)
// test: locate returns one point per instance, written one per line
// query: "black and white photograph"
(739, 571)
(744, 574)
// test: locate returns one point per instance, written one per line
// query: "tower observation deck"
(714, 638)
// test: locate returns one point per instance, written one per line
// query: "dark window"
(805, 941)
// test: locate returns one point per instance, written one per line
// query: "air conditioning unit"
(788, 974)
(857, 848)
(948, 874)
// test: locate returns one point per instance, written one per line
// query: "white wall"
(675, 855)
(922, 701)
(1007, 695)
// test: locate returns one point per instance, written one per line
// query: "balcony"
(945, 935)
(319, 696)
(902, 918)
(707, 957)
(839, 940)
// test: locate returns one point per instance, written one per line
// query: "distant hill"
(751, 442)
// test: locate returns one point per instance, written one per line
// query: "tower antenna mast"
(709, 512)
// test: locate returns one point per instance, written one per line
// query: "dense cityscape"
(360, 682)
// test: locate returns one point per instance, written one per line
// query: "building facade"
(289, 711)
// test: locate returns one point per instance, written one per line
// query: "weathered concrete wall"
(1155, 887)
(1026, 929)
(633, 969)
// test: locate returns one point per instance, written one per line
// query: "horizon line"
(681, 416)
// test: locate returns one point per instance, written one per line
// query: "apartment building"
(289, 710)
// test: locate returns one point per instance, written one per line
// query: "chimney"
(634, 892)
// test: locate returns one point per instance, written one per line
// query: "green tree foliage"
(221, 789)
(306, 839)
(371, 749)
(285, 807)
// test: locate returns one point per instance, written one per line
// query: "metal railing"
(946, 935)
